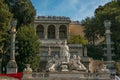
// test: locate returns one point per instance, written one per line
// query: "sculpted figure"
(28, 69)
(64, 52)
(52, 64)
(104, 69)
(81, 66)
(52, 67)
(77, 64)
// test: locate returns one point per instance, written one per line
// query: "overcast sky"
(75, 9)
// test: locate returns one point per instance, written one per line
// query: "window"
(51, 32)
(63, 32)
(40, 31)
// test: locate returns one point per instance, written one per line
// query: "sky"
(75, 9)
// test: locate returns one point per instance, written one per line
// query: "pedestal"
(12, 67)
(64, 67)
(0, 65)
(27, 75)
(111, 67)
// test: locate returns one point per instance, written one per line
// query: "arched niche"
(63, 32)
(51, 32)
(40, 31)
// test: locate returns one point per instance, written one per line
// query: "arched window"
(51, 32)
(63, 32)
(40, 31)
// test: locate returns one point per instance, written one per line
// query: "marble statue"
(64, 63)
(53, 63)
(77, 64)
(50, 65)
(57, 60)
(64, 52)
(52, 68)
(27, 69)
(97, 66)
(104, 69)
(64, 68)
(80, 65)
(74, 57)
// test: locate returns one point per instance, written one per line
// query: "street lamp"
(12, 66)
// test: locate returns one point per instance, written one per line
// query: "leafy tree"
(77, 39)
(91, 29)
(29, 48)
(94, 27)
(111, 11)
(23, 11)
(5, 19)
(28, 44)
(95, 51)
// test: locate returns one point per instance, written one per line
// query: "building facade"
(53, 31)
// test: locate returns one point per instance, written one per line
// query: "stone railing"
(67, 76)
(75, 22)
(52, 18)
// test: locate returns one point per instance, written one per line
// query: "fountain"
(65, 63)
(67, 67)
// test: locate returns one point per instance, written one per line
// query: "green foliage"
(5, 15)
(28, 44)
(91, 29)
(95, 51)
(77, 39)
(94, 27)
(5, 18)
(111, 11)
(29, 48)
(23, 11)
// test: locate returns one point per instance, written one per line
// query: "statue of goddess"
(64, 52)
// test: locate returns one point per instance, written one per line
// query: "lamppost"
(108, 54)
(12, 66)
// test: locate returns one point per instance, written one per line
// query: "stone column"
(108, 40)
(57, 31)
(109, 54)
(45, 31)
(12, 66)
